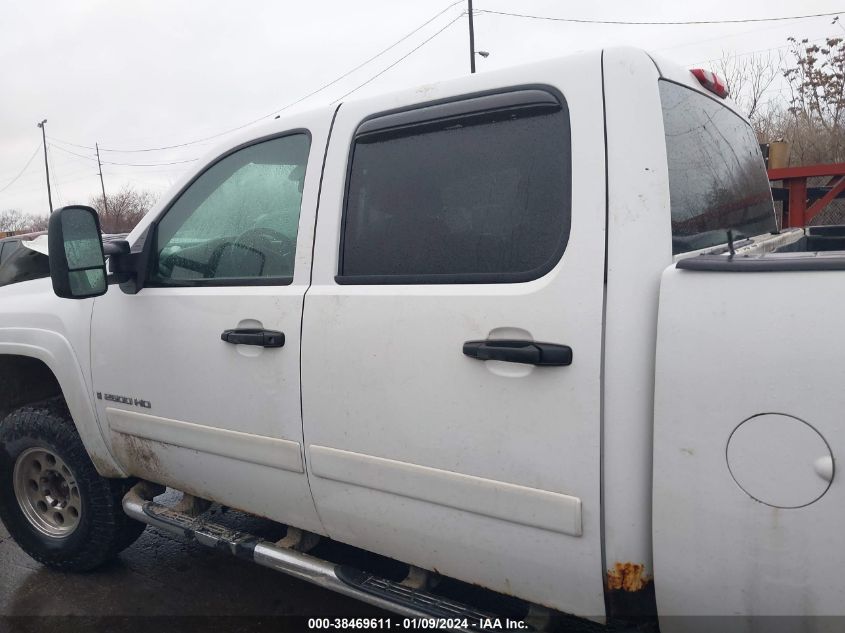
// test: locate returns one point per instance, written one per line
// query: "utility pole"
(100, 167)
(46, 165)
(471, 39)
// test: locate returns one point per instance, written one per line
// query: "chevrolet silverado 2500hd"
(534, 330)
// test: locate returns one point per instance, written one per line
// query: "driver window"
(238, 221)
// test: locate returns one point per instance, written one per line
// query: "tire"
(54, 504)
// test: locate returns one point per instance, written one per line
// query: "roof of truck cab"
(296, 117)
(428, 92)
(412, 94)
(676, 73)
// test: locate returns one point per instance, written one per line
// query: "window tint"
(483, 198)
(238, 221)
(717, 177)
(22, 264)
(7, 248)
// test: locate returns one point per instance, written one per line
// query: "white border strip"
(246, 447)
(498, 500)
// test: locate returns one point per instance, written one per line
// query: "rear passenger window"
(717, 177)
(477, 197)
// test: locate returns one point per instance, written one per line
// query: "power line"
(76, 173)
(58, 140)
(67, 151)
(177, 170)
(759, 50)
(64, 182)
(106, 162)
(289, 105)
(20, 173)
(722, 37)
(376, 56)
(174, 162)
(406, 55)
(658, 23)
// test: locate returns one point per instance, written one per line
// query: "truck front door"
(185, 405)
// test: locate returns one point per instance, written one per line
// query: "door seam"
(302, 316)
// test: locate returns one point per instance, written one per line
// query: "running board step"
(380, 592)
(429, 604)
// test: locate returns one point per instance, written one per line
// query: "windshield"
(717, 177)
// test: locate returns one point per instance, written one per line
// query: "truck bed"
(814, 248)
(748, 421)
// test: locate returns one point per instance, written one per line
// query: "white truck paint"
(731, 361)
(371, 427)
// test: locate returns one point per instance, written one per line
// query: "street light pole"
(46, 164)
(471, 39)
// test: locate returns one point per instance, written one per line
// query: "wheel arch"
(36, 364)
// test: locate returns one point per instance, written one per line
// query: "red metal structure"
(800, 202)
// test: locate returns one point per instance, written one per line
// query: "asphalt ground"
(161, 584)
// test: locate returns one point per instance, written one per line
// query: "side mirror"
(77, 263)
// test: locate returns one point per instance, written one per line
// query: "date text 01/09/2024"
(491, 624)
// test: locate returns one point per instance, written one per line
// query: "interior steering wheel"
(277, 247)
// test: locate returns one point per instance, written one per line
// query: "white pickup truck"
(533, 330)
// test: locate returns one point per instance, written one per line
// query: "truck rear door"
(460, 231)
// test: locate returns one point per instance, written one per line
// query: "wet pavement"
(161, 583)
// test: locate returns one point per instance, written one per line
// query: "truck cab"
(426, 325)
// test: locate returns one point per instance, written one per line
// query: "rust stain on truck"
(138, 456)
(630, 593)
(628, 577)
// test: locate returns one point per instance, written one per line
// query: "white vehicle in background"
(24, 257)
(526, 330)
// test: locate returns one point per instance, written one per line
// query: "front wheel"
(53, 502)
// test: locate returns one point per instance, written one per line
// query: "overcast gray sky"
(160, 72)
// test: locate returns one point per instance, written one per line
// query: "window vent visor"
(483, 108)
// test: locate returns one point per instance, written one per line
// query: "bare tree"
(749, 78)
(808, 110)
(818, 81)
(38, 223)
(123, 210)
(14, 221)
(815, 121)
